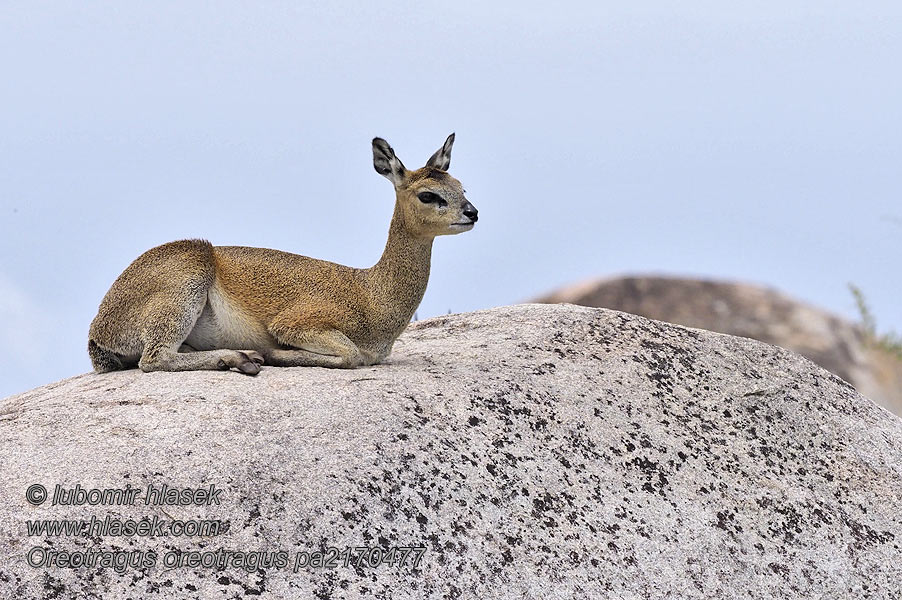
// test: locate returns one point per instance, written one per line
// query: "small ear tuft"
(442, 157)
(386, 162)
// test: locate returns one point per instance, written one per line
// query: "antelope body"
(189, 305)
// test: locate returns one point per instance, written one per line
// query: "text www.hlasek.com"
(146, 527)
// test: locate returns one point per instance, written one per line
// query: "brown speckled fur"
(189, 305)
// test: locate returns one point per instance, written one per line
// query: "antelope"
(189, 305)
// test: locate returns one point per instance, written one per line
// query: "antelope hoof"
(247, 362)
(253, 355)
(249, 367)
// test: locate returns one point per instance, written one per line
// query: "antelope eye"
(429, 198)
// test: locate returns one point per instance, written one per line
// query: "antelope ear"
(386, 163)
(442, 157)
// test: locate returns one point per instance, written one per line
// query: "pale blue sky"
(756, 143)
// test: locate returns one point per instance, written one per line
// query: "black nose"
(470, 212)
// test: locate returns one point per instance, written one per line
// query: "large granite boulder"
(753, 311)
(532, 451)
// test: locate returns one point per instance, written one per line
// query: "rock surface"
(534, 451)
(756, 312)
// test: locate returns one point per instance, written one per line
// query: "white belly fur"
(222, 324)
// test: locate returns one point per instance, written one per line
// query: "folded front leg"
(330, 348)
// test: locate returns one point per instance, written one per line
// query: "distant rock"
(533, 451)
(756, 312)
